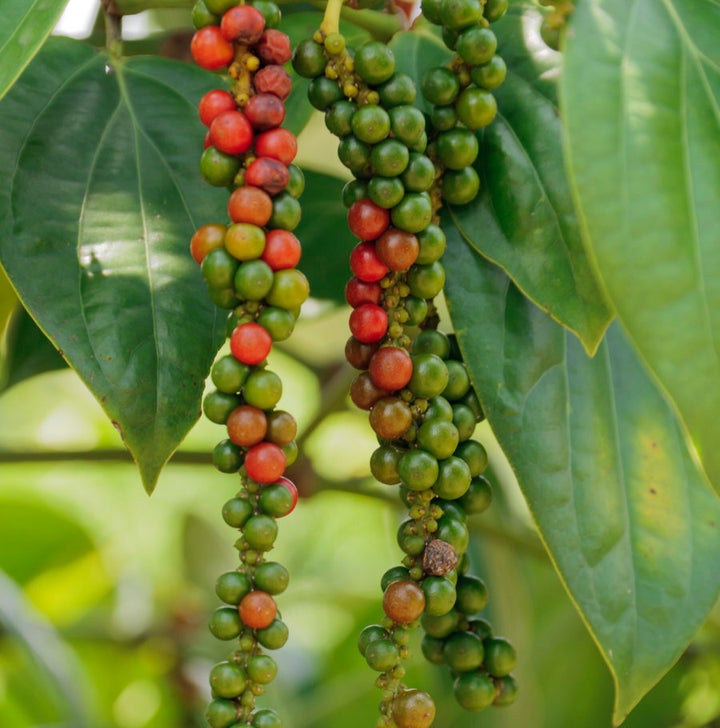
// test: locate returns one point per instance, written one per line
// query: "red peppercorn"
(357, 292)
(391, 368)
(243, 23)
(250, 343)
(231, 132)
(282, 249)
(280, 144)
(367, 220)
(213, 103)
(210, 49)
(365, 264)
(269, 174)
(368, 323)
(398, 249)
(257, 609)
(265, 111)
(265, 462)
(274, 47)
(273, 80)
(250, 204)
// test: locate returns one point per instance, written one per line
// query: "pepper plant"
(576, 217)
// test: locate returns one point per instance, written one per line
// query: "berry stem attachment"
(331, 19)
(113, 33)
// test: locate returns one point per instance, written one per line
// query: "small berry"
(243, 24)
(257, 609)
(210, 49)
(250, 343)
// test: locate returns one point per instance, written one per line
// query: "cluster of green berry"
(414, 385)
(461, 92)
(249, 267)
(440, 470)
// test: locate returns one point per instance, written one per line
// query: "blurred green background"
(105, 592)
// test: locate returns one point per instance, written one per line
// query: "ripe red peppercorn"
(282, 249)
(357, 292)
(250, 343)
(365, 264)
(231, 132)
(210, 49)
(274, 47)
(265, 111)
(243, 23)
(279, 144)
(269, 174)
(391, 368)
(273, 79)
(265, 462)
(250, 204)
(257, 609)
(367, 220)
(398, 249)
(213, 103)
(368, 323)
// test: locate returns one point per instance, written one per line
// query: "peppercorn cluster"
(249, 266)
(412, 379)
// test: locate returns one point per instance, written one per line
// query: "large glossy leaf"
(25, 26)
(641, 103)
(624, 511)
(523, 219)
(102, 195)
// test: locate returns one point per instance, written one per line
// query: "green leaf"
(24, 28)
(523, 219)
(27, 351)
(101, 198)
(641, 103)
(325, 236)
(621, 506)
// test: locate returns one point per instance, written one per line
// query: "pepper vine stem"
(331, 19)
(113, 31)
